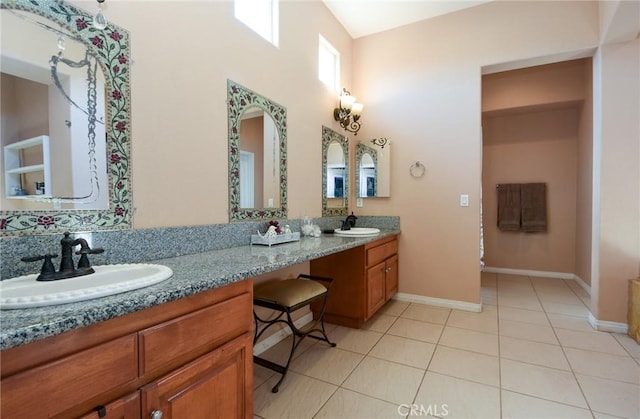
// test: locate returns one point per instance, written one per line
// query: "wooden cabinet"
(365, 278)
(191, 358)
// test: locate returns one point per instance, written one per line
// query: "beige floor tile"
(486, 322)
(488, 279)
(467, 365)
(520, 315)
(510, 279)
(415, 329)
(590, 341)
(405, 351)
(598, 364)
(425, 313)
(327, 364)
(568, 298)
(470, 340)
(544, 282)
(355, 340)
(528, 331)
(563, 321)
(349, 404)
(279, 353)
(519, 406)
(578, 309)
(611, 397)
(632, 347)
(454, 398)
(489, 296)
(260, 375)
(577, 288)
(522, 302)
(543, 354)
(385, 380)
(299, 397)
(394, 308)
(546, 383)
(379, 323)
(597, 415)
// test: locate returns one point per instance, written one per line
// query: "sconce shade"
(348, 113)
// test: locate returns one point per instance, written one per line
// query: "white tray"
(279, 239)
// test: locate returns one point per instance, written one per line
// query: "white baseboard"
(280, 335)
(583, 284)
(529, 272)
(439, 302)
(607, 326)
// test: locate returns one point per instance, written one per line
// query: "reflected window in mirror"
(66, 143)
(373, 171)
(335, 173)
(257, 156)
(366, 172)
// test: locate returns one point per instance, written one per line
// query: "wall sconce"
(381, 142)
(348, 114)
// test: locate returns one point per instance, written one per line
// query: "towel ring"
(417, 169)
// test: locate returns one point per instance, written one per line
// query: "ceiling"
(366, 17)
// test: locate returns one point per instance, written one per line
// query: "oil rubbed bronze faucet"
(67, 267)
(349, 222)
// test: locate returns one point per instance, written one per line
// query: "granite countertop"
(191, 274)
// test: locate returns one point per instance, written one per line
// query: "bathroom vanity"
(193, 354)
(183, 347)
(365, 278)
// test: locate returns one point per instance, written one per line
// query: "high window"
(328, 65)
(261, 16)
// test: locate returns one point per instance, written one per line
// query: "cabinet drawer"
(379, 253)
(51, 389)
(205, 328)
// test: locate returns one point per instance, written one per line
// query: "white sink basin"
(26, 292)
(357, 232)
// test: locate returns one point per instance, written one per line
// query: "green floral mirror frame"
(329, 137)
(239, 99)
(110, 47)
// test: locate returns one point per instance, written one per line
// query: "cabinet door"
(392, 277)
(375, 288)
(216, 385)
(127, 407)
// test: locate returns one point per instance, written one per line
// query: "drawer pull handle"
(156, 414)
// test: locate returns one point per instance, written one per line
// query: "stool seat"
(287, 296)
(288, 292)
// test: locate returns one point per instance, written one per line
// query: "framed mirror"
(366, 171)
(373, 171)
(66, 126)
(257, 156)
(335, 173)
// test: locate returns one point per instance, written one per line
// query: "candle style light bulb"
(61, 44)
(99, 21)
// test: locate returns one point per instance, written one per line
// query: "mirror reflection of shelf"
(17, 170)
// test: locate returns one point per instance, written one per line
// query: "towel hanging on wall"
(509, 207)
(533, 199)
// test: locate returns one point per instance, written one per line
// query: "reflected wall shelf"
(14, 167)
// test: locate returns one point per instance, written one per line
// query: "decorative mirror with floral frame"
(239, 100)
(336, 205)
(110, 47)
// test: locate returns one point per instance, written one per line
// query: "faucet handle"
(48, 270)
(88, 251)
(84, 263)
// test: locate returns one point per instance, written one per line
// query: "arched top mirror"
(335, 173)
(66, 146)
(257, 156)
(366, 171)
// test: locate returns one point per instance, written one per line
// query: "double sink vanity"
(182, 343)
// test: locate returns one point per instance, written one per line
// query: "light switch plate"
(359, 202)
(464, 200)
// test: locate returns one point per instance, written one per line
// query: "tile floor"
(530, 354)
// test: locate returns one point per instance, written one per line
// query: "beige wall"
(528, 148)
(425, 95)
(179, 133)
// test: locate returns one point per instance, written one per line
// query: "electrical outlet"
(464, 200)
(359, 202)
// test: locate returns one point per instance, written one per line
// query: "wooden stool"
(287, 296)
